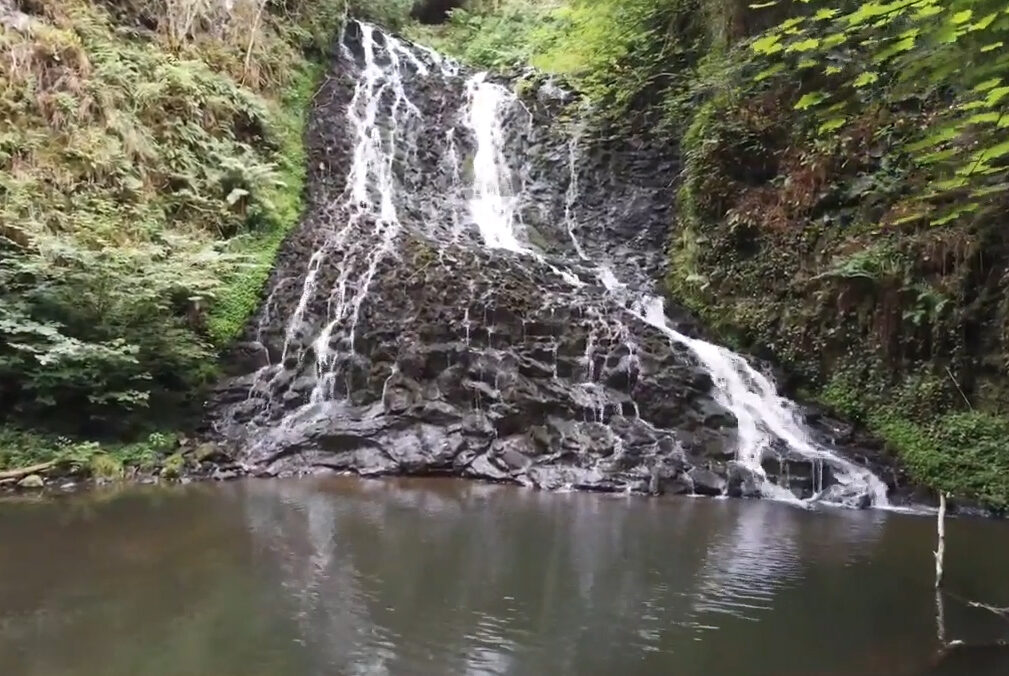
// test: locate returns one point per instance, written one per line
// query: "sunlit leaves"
(769, 72)
(768, 44)
(983, 23)
(865, 79)
(832, 124)
(809, 100)
(962, 17)
(996, 95)
(807, 45)
(947, 54)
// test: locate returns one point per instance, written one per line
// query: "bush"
(149, 169)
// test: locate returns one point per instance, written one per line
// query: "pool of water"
(345, 576)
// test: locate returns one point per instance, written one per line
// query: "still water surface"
(440, 577)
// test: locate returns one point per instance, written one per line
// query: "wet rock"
(742, 482)
(484, 468)
(228, 474)
(249, 356)
(706, 482)
(680, 484)
(849, 496)
(213, 453)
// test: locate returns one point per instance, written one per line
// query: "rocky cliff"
(469, 293)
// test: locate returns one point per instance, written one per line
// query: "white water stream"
(762, 414)
(379, 117)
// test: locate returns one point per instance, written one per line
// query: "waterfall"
(491, 206)
(592, 362)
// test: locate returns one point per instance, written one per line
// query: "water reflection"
(745, 566)
(447, 577)
(480, 579)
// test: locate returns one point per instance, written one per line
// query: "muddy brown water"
(345, 576)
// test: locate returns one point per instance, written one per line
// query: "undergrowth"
(20, 448)
(964, 452)
(151, 163)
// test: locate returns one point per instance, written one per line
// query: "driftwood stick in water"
(1001, 612)
(25, 471)
(940, 550)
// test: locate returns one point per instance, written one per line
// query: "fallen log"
(22, 472)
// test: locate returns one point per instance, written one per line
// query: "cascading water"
(467, 307)
(491, 206)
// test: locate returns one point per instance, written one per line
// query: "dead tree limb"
(940, 549)
(22, 472)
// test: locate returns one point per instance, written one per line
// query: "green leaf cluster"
(938, 68)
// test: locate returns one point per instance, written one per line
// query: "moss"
(173, 467)
(242, 290)
(105, 466)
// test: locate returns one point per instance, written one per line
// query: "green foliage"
(146, 180)
(105, 466)
(504, 38)
(874, 263)
(20, 448)
(173, 466)
(391, 14)
(946, 57)
(962, 452)
(623, 55)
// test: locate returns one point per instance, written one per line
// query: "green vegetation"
(844, 177)
(636, 60)
(151, 163)
(832, 240)
(109, 460)
(963, 452)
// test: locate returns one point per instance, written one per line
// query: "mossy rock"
(106, 466)
(174, 466)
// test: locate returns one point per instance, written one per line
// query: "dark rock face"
(434, 11)
(404, 344)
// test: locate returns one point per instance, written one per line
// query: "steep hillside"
(151, 162)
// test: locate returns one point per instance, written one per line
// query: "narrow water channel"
(344, 576)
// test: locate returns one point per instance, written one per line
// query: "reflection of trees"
(746, 565)
(435, 577)
(133, 583)
(472, 578)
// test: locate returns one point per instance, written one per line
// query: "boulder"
(32, 481)
(706, 482)
(742, 481)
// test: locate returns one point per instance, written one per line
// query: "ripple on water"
(744, 569)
